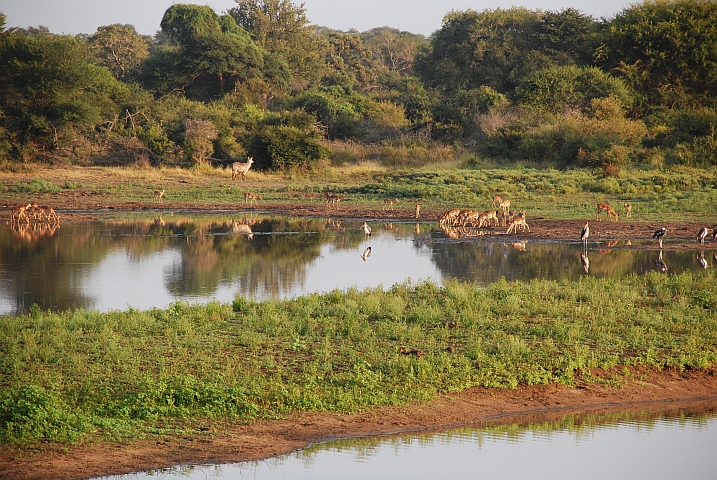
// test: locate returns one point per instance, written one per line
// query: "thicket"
(544, 88)
(133, 373)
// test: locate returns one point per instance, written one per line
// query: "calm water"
(676, 446)
(142, 261)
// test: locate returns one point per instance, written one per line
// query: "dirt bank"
(649, 390)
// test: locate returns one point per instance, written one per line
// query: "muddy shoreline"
(649, 392)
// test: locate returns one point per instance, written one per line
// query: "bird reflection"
(585, 262)
(660, 265)
(701, 259)
(366, 253)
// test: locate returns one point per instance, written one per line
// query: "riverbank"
(648, 390)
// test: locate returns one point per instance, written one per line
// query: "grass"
(129, 374)
(666, 195)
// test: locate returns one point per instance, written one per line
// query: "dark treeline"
(516, 85)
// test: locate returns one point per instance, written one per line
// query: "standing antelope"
(418, 210)
(518, 221)
(628, 210)
(50, 212)
(505, 205)
(158, 194)
(19, 212)
(251, 198)
(241, 168)
(332, 199)
(496, 201)
(604, 207)
(388, 202)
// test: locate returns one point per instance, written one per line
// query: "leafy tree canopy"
(498, 47)
(667, 51)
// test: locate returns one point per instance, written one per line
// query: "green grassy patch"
(134, 373)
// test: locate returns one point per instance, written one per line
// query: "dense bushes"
(514, 85)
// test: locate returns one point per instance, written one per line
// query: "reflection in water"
(586, 446)
(143, 261)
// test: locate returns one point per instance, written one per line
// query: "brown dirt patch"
(649, 391)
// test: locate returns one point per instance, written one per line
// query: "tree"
(210, 55)
(119, 48)
(393, 50)
(666, 50)
(498, 47)
(50, 87)
(281, 28)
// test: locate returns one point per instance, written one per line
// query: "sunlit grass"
(131, 373)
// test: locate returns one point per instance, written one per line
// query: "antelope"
(388, 202)
(418, 210)
(628, 210)
(505, 205)
(486, 217)
(37, 211)
(496, 201)
(241, 168)
(449, 217)
(471, 218)
(518, 221)
(463, 215)
(50, 212)
(158, 194)
(333, 200)
(604, 207)
(19, 212)
(251, 198)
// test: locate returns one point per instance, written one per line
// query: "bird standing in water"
(366, 229)
(585, 234)
(659, 234)
(702, 234)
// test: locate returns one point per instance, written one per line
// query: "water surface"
(143, 261)
(608, 446)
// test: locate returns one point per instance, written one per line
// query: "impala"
(251, 198)
(518, 221)
(158, 194)
(604, 207)
(628, 210)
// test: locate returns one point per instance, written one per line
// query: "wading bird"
(659, 234)
(366, 229)
(702, 234)
(584, 234)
